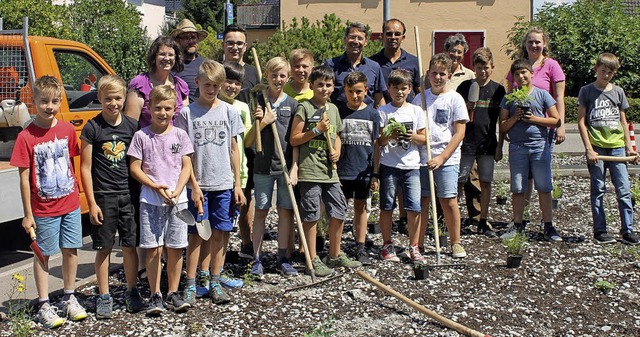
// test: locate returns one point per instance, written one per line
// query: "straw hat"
(186, 26)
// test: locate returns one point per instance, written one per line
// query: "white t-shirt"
(443, 111)
(403, 154)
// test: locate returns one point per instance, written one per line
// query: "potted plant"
(556, 194)
(520, 98)
(515, 246)
(322, 232)
(502, 192)
(420, 271)
(373, 223)
(442, 232)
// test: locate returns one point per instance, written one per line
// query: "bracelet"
(316, 131)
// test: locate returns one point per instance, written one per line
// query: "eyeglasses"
(390, 34)
(230, 44)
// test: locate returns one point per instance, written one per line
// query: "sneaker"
(388, 253)
(217, 294)
(341, 260)
(458, 251)
(604, 237)
(320, 269)
(631, 238)
(73, 310)
(133, 301)
(246, 251)
(104, 306)
(363, 257)
(156, 305)
(485, 228)
(415, 255)
(202, 284)
(257, 270)
(176, 304)
(227, 280)
(551, 234)
(286, 268)
(368, 242)
(48, 316)
(190, 295)
(516, 228)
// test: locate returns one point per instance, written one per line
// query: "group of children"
(192, 161)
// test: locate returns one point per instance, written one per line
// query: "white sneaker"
(458, 251)
(48, 316)
(73, 310)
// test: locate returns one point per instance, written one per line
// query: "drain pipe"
(387, 10)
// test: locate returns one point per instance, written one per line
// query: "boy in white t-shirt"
(447, 116)
(399, 161)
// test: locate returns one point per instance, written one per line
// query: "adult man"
(392, 56)
(355, 39)
(234, 44)
(188, 37)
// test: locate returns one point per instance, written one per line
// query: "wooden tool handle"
(617, 159)
(329, 142)
(200, 207)
(432, 314)
(257, 121)
(32, 233)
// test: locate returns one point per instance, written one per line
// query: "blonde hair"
(212, 70)
(47, 86)
(301, 54)
(442, 59)
(162, 93)
(277, 63)
(608, 60)
(111, 83)
(546, 51)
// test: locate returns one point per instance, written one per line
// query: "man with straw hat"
(188, 37)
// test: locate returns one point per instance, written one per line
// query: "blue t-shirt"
(361, 129)
(342, 67)
(407, 62)
(529, 134)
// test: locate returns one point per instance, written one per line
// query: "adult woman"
(547, 73)
(164, 57)
(456, 45)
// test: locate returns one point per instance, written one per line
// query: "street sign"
(229, 14)
(220, 36)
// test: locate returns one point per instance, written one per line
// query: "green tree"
(578, 32)
(324, 39)
(113, 29)
(207, 13)
(42, 14)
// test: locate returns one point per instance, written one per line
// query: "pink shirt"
(544, 77)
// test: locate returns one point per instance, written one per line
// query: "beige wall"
(495, 17)
(261, 35)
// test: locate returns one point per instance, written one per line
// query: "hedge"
(571, 110)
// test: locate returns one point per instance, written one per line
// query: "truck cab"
(24, 58)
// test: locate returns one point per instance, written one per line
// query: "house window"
(475, 40)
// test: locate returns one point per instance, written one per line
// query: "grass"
(604, 285)
(323, 330)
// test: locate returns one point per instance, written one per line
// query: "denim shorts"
(312, 194)
(445, 179)
(218, 209)
(55, 232)
(485, 167)
(160, 226)
(409, 180)
(523, 158)
(263, 191)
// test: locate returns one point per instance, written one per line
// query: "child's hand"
(631, 152)
(435, 163)
(269, 117)
(163, 190)
(374, 184)
(592, 156)
(95, 215)
(293, 176)
(197, 195)
(239, 197)
(173, 197)
(323, 125)
(334, 156)
(28, 222)
(258, 114)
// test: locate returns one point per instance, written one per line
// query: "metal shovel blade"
(202, 225)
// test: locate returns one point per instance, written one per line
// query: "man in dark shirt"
(188, 37)
(234, 45)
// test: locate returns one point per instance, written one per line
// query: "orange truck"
(24, 58)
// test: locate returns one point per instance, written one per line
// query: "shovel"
(36, 250)
(202, 225)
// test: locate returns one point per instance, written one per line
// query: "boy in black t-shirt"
(105, 173)
(355, 167)
(480, 144)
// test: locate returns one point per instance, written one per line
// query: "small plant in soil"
(635, 190)
(557, 192)
(323, 227)
(375, 198)
(18, 307)
(372, 217)
(604, 286)
(502, 191)
(323, 330)
(516, 244)
(519, 97)
(247, 277)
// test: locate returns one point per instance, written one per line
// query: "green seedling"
(520, 97)
(392, 126)
(323, 330)
(604, 285)
(516, 244)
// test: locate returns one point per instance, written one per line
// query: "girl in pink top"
(547, 73)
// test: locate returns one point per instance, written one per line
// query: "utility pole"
(387, 10)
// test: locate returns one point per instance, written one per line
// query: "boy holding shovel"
(317, 179)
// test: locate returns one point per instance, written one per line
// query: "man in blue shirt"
(188, 37)
(355, 39)
(392, 56)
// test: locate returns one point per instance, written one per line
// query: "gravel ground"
(553, 293)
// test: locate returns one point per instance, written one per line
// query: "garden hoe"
(296, 213)
(434, 215)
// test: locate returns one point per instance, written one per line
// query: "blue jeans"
(620, 179)
(409, 180)
(535, 159)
